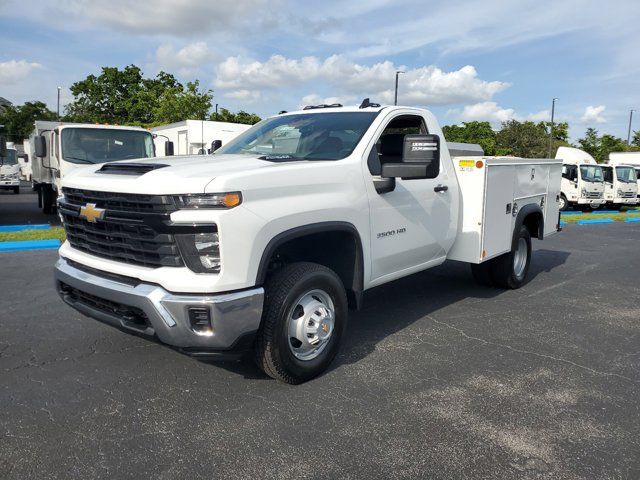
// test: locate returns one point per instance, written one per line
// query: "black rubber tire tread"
(566, 203)
(502, 268)
(268, 354)
(16, 190)
(47, 199)
(482, 273)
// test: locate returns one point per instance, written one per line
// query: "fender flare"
(357, 284)
(523, 213)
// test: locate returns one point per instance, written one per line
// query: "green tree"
(472, 132)
(225, 115)
(635, 139)
(178, 103)
(523, 139)
(599, 147)
(126, 96)
(18, 120)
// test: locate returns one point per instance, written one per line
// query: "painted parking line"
(29, 245)
(632, 220)
(19, 228)
(595, 221)
(571, 213)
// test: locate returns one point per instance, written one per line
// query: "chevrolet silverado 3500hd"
(267, 243)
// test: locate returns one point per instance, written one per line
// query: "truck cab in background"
(627, 158)
(9, 168)
(620, 185)
(57, 148)
(582, 180)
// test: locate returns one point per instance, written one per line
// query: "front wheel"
(16, 190)
(564, 203)
(510, 270)
(303, 321)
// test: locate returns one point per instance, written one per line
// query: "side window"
(54, 147)
(389, 146)
(565, 172)
(608, 174)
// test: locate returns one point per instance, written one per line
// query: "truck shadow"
(394, 306)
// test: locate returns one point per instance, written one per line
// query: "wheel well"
(339, 249)
(535, 224)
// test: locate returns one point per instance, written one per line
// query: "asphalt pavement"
(23, 208)
(438, 379)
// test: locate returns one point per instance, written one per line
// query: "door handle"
(440, 188)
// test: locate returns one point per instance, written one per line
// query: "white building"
(190, 136)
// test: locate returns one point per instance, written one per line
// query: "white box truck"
(9, 168)
(582, 180)
(627, 158)
(620, 185)
(193, 137)
(57, 148)
(261, 250)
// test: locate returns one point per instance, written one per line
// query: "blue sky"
(491, 60)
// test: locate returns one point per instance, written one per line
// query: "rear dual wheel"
(508, 270)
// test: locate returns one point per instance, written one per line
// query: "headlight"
(584, 192)
(209, 200)
(620, 193)
(15, 176)
(201, 251)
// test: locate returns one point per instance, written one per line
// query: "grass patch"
(53, 232)
(618, 217)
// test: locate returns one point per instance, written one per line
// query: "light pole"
(395, 102)
(629, 131)
(59, 88)
(553, 111)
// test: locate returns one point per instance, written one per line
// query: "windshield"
(315, 136)
(99, 145)
(626, 174)
(591, 173)
(10, 159)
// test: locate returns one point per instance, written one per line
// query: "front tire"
(510, 270)
(564, 203)
(16, 190)
(303, 321)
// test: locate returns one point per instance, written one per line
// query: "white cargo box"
(492, 192)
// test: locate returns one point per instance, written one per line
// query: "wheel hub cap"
(520, 258)
(310, 324)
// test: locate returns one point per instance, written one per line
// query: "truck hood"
(173, 175)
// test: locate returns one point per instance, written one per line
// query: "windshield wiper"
(82, 160)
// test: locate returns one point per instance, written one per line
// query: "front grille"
(132, 316)
(594, 194)
(628, 195)
(133, 230)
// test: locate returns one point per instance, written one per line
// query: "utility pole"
(59, 88)
(216, 112)
(395, 102)
(553, 111)
(629, 131)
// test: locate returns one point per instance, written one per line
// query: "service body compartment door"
(497, 228)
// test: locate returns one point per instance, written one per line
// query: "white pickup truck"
(266, 244)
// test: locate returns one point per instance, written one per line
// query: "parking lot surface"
(439, 378)
(23, 208)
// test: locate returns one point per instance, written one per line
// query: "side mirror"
(215, 145)
(420, 159)
(168, 149)
(40, 146)
(3, 147)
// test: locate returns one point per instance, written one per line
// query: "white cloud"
(248, 96)
(593, 114)
(187, 59)
(487, 112)
(14, 71)
(315, 99)
(158, 17)
(427, 85)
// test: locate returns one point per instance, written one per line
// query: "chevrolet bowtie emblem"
(91, 214)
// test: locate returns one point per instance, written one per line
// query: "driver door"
(413, 224)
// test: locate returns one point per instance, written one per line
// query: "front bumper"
(150, 310)
(625, 200)
(9, 183)
(590, 201)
